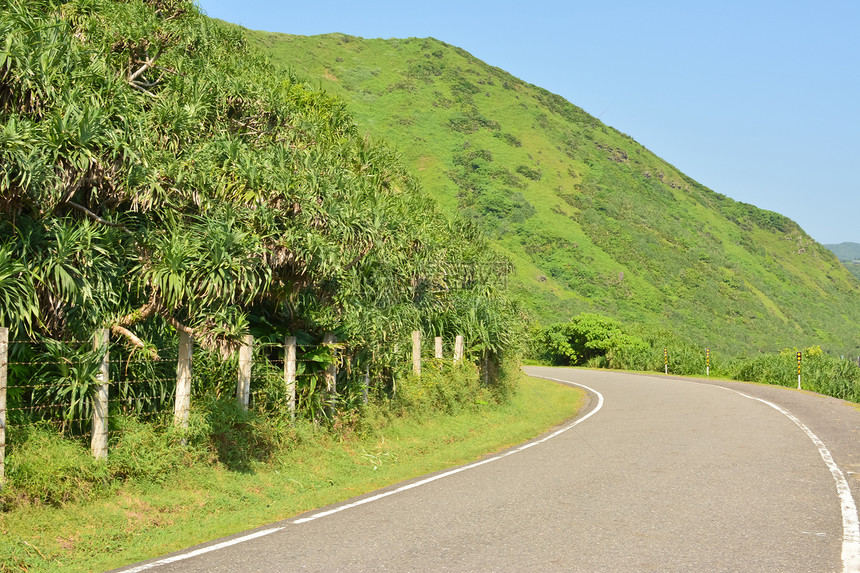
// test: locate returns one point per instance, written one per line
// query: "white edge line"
(850, 521)
(203, 550)
(461, 468)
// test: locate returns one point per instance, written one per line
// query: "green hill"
(849, 254)
(846, 251)
(592, 220)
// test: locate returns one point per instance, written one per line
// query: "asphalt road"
(663, 474)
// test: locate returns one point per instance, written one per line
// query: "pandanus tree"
(156, 171)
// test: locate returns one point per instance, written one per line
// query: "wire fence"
(76, 387)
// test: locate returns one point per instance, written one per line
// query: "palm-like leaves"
(156, 168)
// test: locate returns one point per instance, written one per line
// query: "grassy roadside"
(143, 520)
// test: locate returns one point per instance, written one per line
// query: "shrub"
(236, 436)
(442, 387)
(820, 372)
(533, 174)
(585, 338)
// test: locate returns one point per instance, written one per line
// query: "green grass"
(140, 519)
(607, 226)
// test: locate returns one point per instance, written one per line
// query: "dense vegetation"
(158, 176)
(596, 341)
(593, 221)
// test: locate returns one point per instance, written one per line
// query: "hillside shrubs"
(599, 342)
(529, 173)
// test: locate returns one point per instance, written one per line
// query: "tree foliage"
(158, 174)
(584, 338)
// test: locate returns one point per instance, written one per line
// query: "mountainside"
(592, 220)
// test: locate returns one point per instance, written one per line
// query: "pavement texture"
(669, 475)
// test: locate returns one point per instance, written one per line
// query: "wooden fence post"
(182, 406)
(99, 439)
(243, 384)
(290, 373)
(416, 352)
(458, 348)
(331, 374)
(438, 345)
(4, 361)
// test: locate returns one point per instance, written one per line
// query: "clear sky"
(758, 100)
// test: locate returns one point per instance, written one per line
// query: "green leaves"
(160, 175)
(19, 308)
(586, 336)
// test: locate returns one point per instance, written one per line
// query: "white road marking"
(196, 552)
(850, 521)
(366, 500)
(462, 468)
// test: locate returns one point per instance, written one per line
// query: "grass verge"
(141, 520)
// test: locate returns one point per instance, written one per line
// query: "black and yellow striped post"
(708, 362)
(798, 370)
(666, 360)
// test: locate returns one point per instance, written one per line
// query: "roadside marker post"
(798, 370)
(666, 360)
(708, 362)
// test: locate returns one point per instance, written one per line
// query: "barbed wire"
(142, 381)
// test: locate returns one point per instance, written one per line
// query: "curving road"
(657, 474)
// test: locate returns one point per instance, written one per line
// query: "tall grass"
(820, 372)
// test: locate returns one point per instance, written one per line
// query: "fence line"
(243, 385)
(74, 390)
(182, 405)
(416, 352)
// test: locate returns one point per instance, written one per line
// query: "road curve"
(668, 475)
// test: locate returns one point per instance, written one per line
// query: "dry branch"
(95, 217)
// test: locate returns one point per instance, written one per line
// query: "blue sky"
(757, 100)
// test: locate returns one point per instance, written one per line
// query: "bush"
(533, 174)
(237, 437)
(587, 337)
(442, 387)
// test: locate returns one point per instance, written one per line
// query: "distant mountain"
(591, 219)
(846, 251)
(849, 254)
